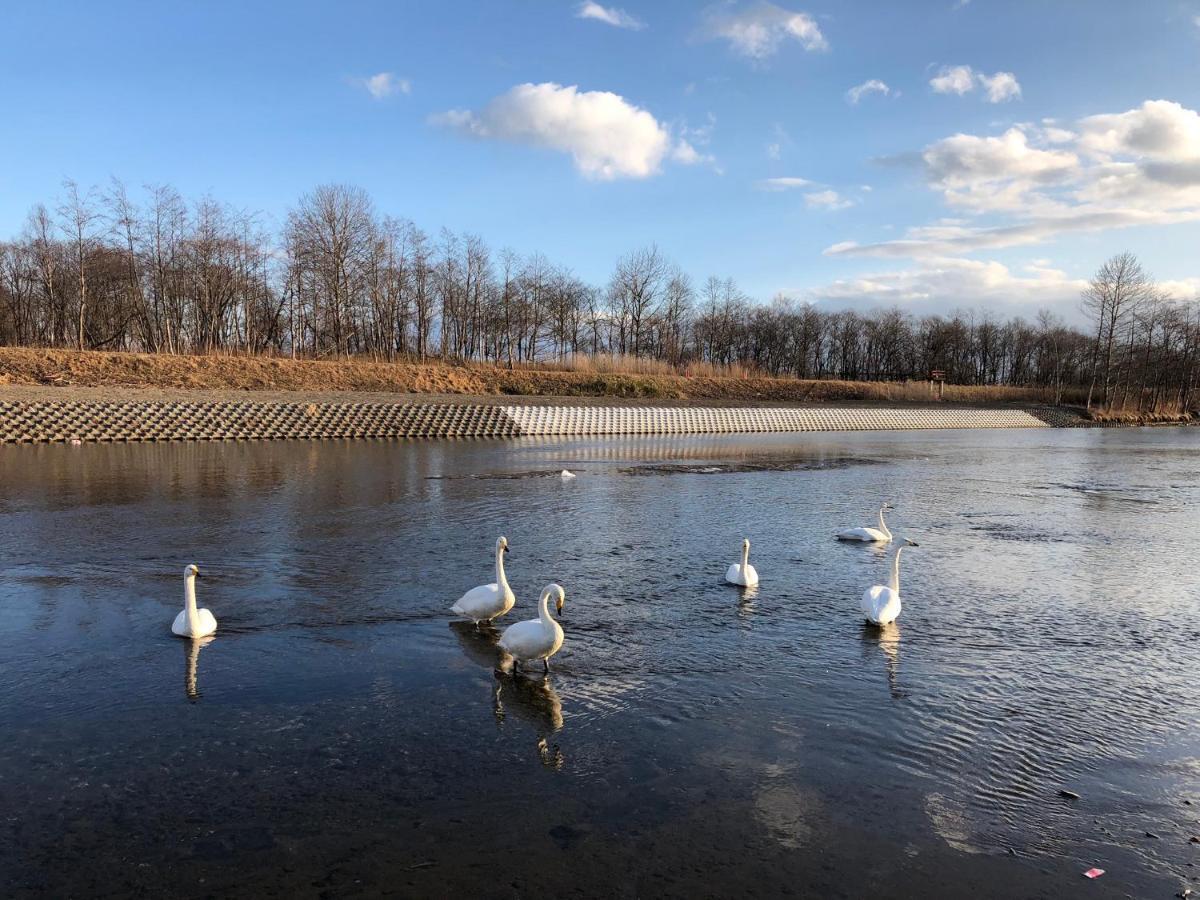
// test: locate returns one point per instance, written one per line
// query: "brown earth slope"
(95, 370)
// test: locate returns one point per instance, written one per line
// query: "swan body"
(538, 638)
(192, 622)
(566, 474)
(743, 573)
(486, 602)
(880, 535)
(881, 603)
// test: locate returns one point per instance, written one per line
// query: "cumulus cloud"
(1000, 87)
(1160, 129)
(873, 86)
(607, 136)
(383, 85)
(953, 80)
(1138, 167)
(782, 184)
(759, 30)
(609, 15)
(941, 285)
(960, 80)
(826, 199)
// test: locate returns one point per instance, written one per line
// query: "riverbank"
(92, 369)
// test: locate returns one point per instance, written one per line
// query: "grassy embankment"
(585, 378)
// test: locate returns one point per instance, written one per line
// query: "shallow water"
(342, 735)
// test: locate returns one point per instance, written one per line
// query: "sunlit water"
(341, 734)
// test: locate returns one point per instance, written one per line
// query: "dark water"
(341, 736)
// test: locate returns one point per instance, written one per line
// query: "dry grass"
(605, 377)
(1132, 417)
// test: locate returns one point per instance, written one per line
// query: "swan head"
(192, 571)
(746, 544)
(559, 595)
(502, 544)
(910, 543)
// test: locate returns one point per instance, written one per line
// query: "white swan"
(566, 474)
(192, 622)
(743, 573)
(486, 602)
(538, 638)
(880, 604)
(879, 535)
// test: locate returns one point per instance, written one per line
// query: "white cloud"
(827, 199)
(953, 80)
(960, 80)
(607, 136)
(383, 85)
(874, 86)
(757, 31)
(783, 184)
(609, 15)
(940, 286)
(1139, 167)
(1000, 87)
(1159, 129)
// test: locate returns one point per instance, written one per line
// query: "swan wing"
(734, 574)
(526, 640)
(208, 623)
(862, 534)
(880, 604)
(480, 602)
(750, 576)
(180, 625)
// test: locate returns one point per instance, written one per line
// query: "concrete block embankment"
(89, 421)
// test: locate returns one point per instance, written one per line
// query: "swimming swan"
(538, 638)
(879, 535)
(566, 475)
(192, 622)
(881, 605)
(743, 573)
(486, 602)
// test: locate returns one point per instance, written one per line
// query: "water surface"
(341, 735)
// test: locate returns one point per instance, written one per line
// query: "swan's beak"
(912, 543)
(558, 605)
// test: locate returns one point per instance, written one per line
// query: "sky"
(974, 154)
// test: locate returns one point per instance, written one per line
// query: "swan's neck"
(544, 610)
(883, 525)
(895, 582)
(745, 556)
(189, 603)
(501, 580)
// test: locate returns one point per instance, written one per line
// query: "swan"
(880, 604)
(538, 638)
(486, 602)
(743, 573)
(192, 622)
(566, 474)
(879, 535)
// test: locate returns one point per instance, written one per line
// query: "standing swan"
(192, 622)
(743, 573)
(881, 605)
(879, 535)
(486, 602)
(538, 638)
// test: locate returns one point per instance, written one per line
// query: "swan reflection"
(533, 700)
(887, 639)
(191, 653)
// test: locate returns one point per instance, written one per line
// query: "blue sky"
(1017, 145)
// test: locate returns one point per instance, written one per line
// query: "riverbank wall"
(55, 421)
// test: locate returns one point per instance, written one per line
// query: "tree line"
(103, 270)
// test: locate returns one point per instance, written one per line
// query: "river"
(341, 735)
